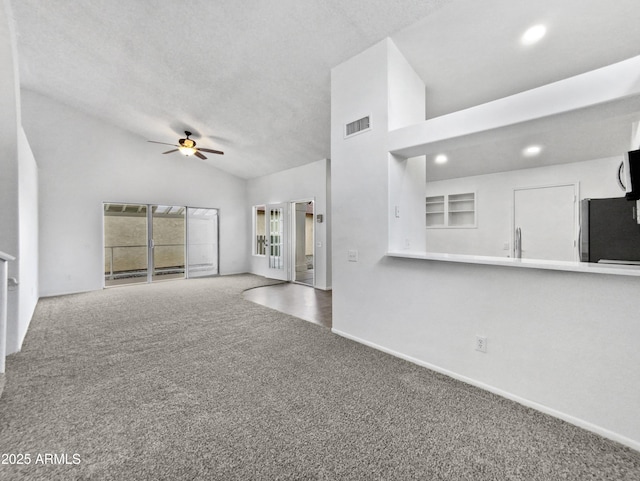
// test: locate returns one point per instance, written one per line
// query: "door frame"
(576, 213)
(283, 274)
(149, 222)
(292, 235)
(186, 241)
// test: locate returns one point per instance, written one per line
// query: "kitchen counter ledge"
(613, 269)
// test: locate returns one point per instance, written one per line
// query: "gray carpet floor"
(187, 380)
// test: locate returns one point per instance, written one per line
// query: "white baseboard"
(520, 400)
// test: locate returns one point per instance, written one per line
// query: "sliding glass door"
(202, 242)
(145, 243)
(126, 252)
(168, 241)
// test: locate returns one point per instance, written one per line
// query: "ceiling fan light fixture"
(186, 150)
(188, 147)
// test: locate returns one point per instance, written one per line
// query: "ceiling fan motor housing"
(187, 143)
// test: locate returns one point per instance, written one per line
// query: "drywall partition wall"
(406, 204)
(406, 106)
(300, 183)
(28, 289)
(494, 202)
(9, 122)
(540, 324)
(8, 155)
(17, 192)
(84, 162)
(358, 187)
(406, 91)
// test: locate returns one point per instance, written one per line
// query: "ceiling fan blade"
(212, 151)
(198, 154)
(169, 151)
(163, 143)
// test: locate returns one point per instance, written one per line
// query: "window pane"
(125, 244)
(203, 242)
(276, 225)
(259, 229)
(168, 242)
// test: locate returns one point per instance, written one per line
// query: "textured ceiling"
(252, 78)
(470, 52)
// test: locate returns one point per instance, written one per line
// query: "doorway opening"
(147, 243)
(303, 242)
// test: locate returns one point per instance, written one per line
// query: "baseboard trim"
(520, 400)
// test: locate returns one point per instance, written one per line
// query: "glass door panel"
(277, 226)
(168, 244)
(202, 242)
(125, 244)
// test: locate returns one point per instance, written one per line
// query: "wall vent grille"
(357, 126)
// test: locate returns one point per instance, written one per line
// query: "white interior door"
(277, 218)
(545, 222)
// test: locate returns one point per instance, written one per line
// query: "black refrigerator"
(609, 231)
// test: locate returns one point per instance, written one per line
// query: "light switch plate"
(352, 255)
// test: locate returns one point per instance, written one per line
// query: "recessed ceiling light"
(532, 150)
(441, 159)
(533, 34)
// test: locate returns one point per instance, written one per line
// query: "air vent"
(357, 126)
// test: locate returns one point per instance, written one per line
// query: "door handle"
(518, 243)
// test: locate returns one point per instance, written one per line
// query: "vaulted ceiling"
(252, 78)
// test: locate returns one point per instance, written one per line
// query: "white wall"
(9, 122)
(28, 233)
(84, 162)
(18, 192)
(300, 183)
(494, 202)
(540, 324)
(406, 204)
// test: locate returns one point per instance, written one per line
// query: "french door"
(277, 241)
(146, 243)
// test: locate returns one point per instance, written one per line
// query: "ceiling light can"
(532, 150)
(533, 34)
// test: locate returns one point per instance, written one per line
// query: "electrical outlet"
(481, 344)
(352, 255)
